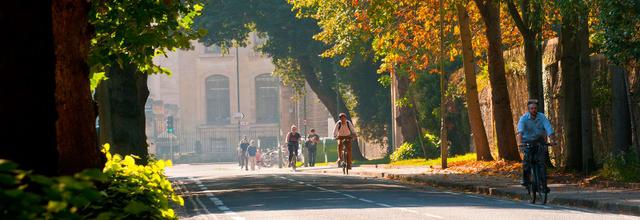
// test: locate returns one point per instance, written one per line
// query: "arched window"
(267, 97)
(217, 100)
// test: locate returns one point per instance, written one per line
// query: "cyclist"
(293, 139)
(344, 132)
(534, 129)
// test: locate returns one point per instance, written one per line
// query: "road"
(223, 191)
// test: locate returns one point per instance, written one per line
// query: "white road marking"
(451, 193)
(350, 196)
(220, 205)
(223, 208)
(475, 197)
(382, 204)
(205, 208)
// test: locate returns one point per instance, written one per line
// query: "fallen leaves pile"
(488, 168)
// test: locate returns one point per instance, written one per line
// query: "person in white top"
(344, 132)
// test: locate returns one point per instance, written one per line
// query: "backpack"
(348, 126)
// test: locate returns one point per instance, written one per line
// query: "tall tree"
(483, 151)
(529, 19)
(619, 22)
(27, 88)
(128, 35)
(294, 52)
(345, 27)
(76, 131)
(501, 106)
(576, 68)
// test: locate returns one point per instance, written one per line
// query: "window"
(213, 49)
(217, 100)
(267, 99)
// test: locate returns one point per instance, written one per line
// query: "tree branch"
(513, 11)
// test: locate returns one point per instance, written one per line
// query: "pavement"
(223, 191)
(606, 199)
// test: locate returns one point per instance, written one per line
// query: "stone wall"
(552, 80)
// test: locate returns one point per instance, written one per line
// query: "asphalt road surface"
(223, 191)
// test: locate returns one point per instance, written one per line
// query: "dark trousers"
(312, 155)
(293, 151)
(535, 153)
(244, 161)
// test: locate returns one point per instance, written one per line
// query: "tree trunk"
(588, 163)
(27, 88)
(121, 99)
(505, 134)
(76, 132)
(534, 73)
(407, 118)
(620, 112)
(483, 152)
(325, 93)
(632, 83)
(328, 97)
(569, 67)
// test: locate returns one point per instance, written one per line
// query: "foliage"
(123, 190)
(25, 195)
(135, 31)
(620, 22)
(414, 150)
(435, 161)
(406, 151)
(290, 43)
(140, 191)
(622, 167)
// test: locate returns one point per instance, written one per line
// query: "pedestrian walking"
(312, 142)
(242, 152)
(252, 151)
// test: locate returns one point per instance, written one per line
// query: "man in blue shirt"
(533, 128)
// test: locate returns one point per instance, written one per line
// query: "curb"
(609, 207)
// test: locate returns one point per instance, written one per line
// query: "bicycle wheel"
(534, 185)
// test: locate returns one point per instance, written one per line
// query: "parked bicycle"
(536, 156)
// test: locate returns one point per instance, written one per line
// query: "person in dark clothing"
(311, 145)
(244, 144)
(293, 140)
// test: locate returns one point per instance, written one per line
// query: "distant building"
(203, 89)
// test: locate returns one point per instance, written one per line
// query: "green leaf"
(136, 207)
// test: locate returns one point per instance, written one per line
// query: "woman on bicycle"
(344, 132)
(293, 140)
(533, 129)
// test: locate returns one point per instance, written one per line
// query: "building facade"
(222, 96)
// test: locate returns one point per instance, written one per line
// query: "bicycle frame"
(343, 161)
(536, 159)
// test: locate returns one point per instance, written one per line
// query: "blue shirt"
(534, 129)
(252, 151)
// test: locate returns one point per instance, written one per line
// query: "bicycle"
(343, 161)
(536, 158)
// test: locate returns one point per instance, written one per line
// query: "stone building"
(221, 96)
